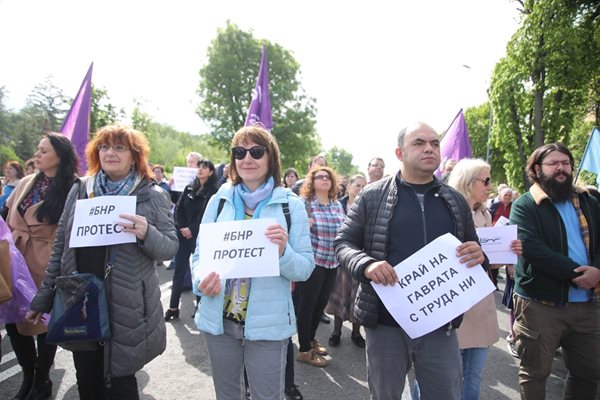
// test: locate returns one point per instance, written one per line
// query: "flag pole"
(587, 145)
(453, 119)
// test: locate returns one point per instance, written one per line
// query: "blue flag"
(76, 125)
(590, 161)
(260, 106)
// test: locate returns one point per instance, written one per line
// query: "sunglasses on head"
(239, 152)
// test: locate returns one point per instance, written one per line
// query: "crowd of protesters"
(334, 240)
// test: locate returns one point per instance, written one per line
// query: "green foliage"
(547, 83)
(341, 161)
(7, 154)
(169, 146)
(226, 86)
(478, 122)
(102, 111)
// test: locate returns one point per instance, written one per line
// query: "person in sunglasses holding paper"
(117, 161)
(247, 322)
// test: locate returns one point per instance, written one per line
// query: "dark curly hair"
(54, 201)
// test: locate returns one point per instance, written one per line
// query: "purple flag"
(260, 106)
(455, 143)
(77, 123)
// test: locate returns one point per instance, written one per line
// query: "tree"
(547, 82)
(226, 87)
(102, 112)
(478, 121)
(341, 161)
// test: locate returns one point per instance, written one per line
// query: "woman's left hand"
(138, 225)
(517, 247)
(34, 317)
(278, 235)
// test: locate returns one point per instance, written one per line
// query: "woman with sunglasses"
(479, 328)
(319, 193)
(190, 209)
(247, 322)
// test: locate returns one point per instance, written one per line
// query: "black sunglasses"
(239, 152)
(486, 181)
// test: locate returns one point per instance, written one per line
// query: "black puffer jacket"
(363, 238)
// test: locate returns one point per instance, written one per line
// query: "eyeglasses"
(322, 177)
(377, 165)
(239, 152)
(554, 164)
(486, 181)
(118, 148)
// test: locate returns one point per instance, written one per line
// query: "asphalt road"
(183, 371)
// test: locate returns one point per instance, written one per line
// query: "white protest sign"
(95, 221)
(238, 249)
(182, 177)
(502, 221)
(433, 288)
(495, 242)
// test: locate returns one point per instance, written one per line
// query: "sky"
(372, 66)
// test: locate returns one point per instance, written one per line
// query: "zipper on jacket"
(108, 346)
(562, 249)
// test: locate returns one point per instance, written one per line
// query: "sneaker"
(510, 338)
(318, 348)
(311, 358)
(512, 350)
(292, 393)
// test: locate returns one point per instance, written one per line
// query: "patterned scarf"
(37, 192)
(105, 187)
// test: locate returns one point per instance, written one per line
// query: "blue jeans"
(391, 354)
(473, 361)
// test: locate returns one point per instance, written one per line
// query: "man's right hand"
(381, 272)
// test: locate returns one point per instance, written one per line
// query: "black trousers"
(313, 295)
(89, 367)
(28, 357)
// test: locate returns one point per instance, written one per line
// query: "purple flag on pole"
(260, 106)
(455, 143)
(77, 123)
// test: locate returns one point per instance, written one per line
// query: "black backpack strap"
(220, 208)
(286, 214)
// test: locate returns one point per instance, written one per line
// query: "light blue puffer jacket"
(270, 314)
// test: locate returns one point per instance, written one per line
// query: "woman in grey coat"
(117, 165)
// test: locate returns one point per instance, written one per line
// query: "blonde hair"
(464, 173)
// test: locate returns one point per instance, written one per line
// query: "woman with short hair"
(117, 161)
(247, 322)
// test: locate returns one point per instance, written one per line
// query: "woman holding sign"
(33, 213)
(117, 166)
(247, 321)
(479, 329)
(190, 209)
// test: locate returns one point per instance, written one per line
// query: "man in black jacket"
(555, 303)
(392, 219)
